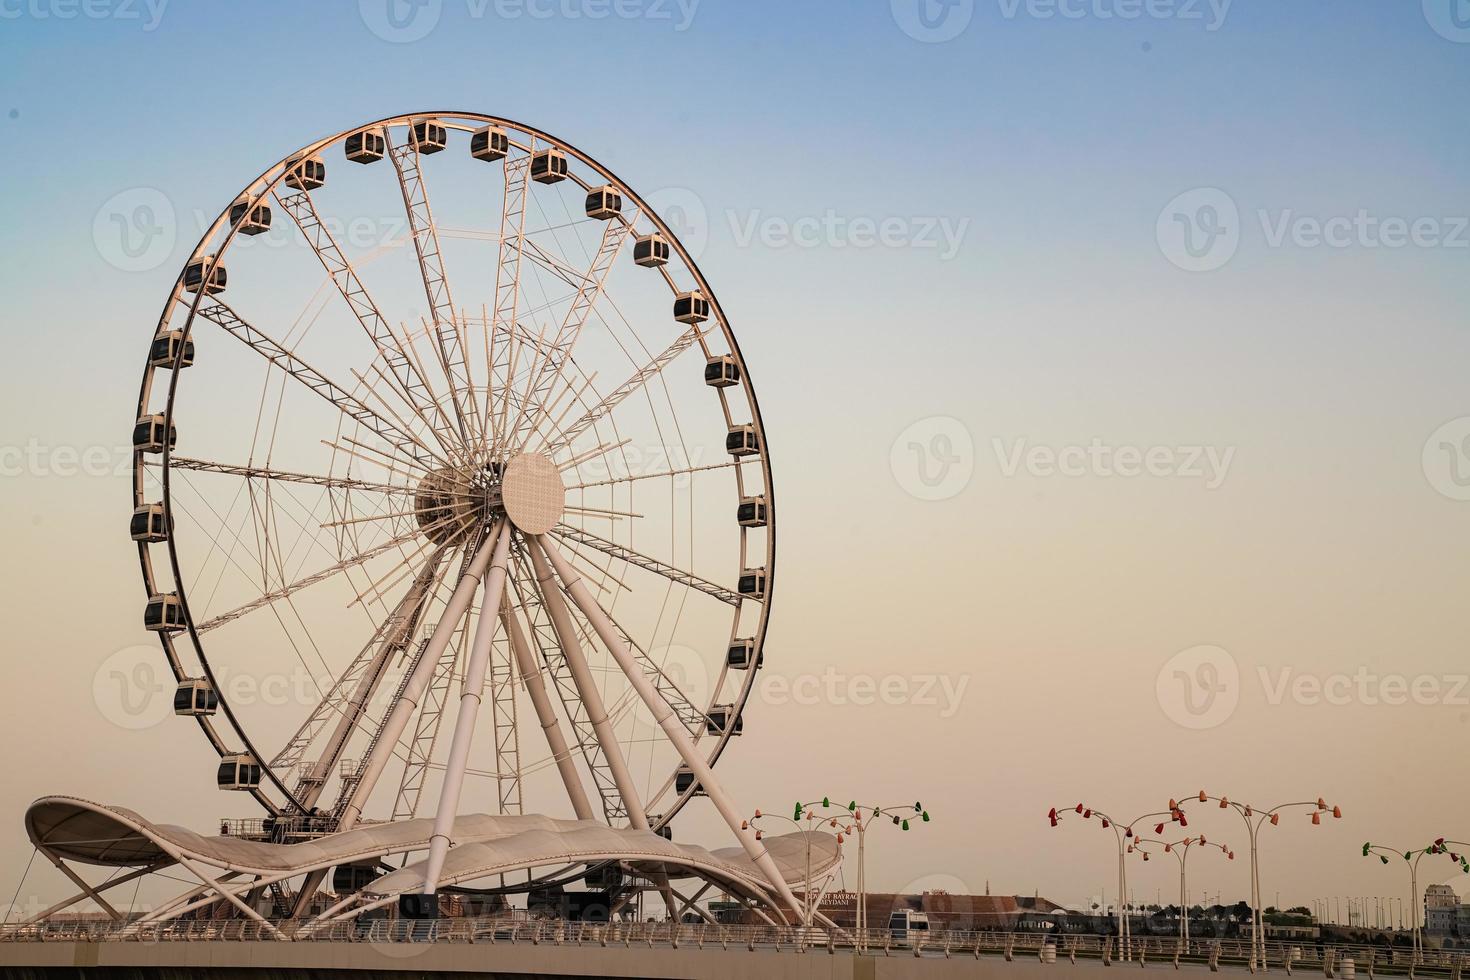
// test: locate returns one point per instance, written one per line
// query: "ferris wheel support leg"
(423, 671)
(546, 715)
(586, 685)
(664, 715)
(469, 708)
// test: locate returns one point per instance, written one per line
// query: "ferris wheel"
(403, 469)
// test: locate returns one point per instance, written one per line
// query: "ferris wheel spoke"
(508, 282)
(285, 476)
(628, 555)
(614, 398)
(275, 595)
(350, 695)
(403, 377)
(334, 394)
(634, 477)
(548, 372)
(407, 164)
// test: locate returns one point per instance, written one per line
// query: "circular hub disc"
(532, 493)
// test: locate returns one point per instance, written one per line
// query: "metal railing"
(1330, 959)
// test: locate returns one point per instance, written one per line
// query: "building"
(1441, 910)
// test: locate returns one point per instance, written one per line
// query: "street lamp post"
(855, 818)
(1123, 834)
(1180, 849)
(1254, 820)
(1411, 860)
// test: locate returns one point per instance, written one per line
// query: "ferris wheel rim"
(268, 184)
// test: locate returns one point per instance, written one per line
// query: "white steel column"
(469, 707)
(664, 715)
(413, 690)
(555, 740)
(566, 634)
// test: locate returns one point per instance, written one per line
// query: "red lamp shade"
(1337, 813)
(1079, 807)
(1086, 814)
(1321, 803)
(1052, 814)
(1202, 839)
(1275, 819)
(1173, 805)
(1168, 848)
(1183, 822)
(1145, 855)
(1203, 796)
(1224, 803)
(1106, 825)
(1316, 817)
(1053, 819)
(1158, 828)
(757, 814)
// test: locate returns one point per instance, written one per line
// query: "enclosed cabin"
(306, 173)
(489, 143)
(605, 877)
(548, 166)
(751, 512)
(151, 434)
(204, 275)
(753, 583)
(195, 697)
(367, 146)
(691, 307)
(722, 718)
(164, 613)
(238, 771)
(604, 202)
(249, 216)
(742, 440)
(167, 348)
(684, 782)
(651, 251)
(721, 371)
(150, 524)
(743, 655)
(666, 831)
(428, 136)
(349, 879)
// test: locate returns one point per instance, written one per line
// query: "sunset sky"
(1113, 355)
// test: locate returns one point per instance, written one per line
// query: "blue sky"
(1053, 140)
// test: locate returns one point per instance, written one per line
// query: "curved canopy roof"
(81, 830)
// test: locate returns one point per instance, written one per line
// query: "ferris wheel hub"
(532, 493)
